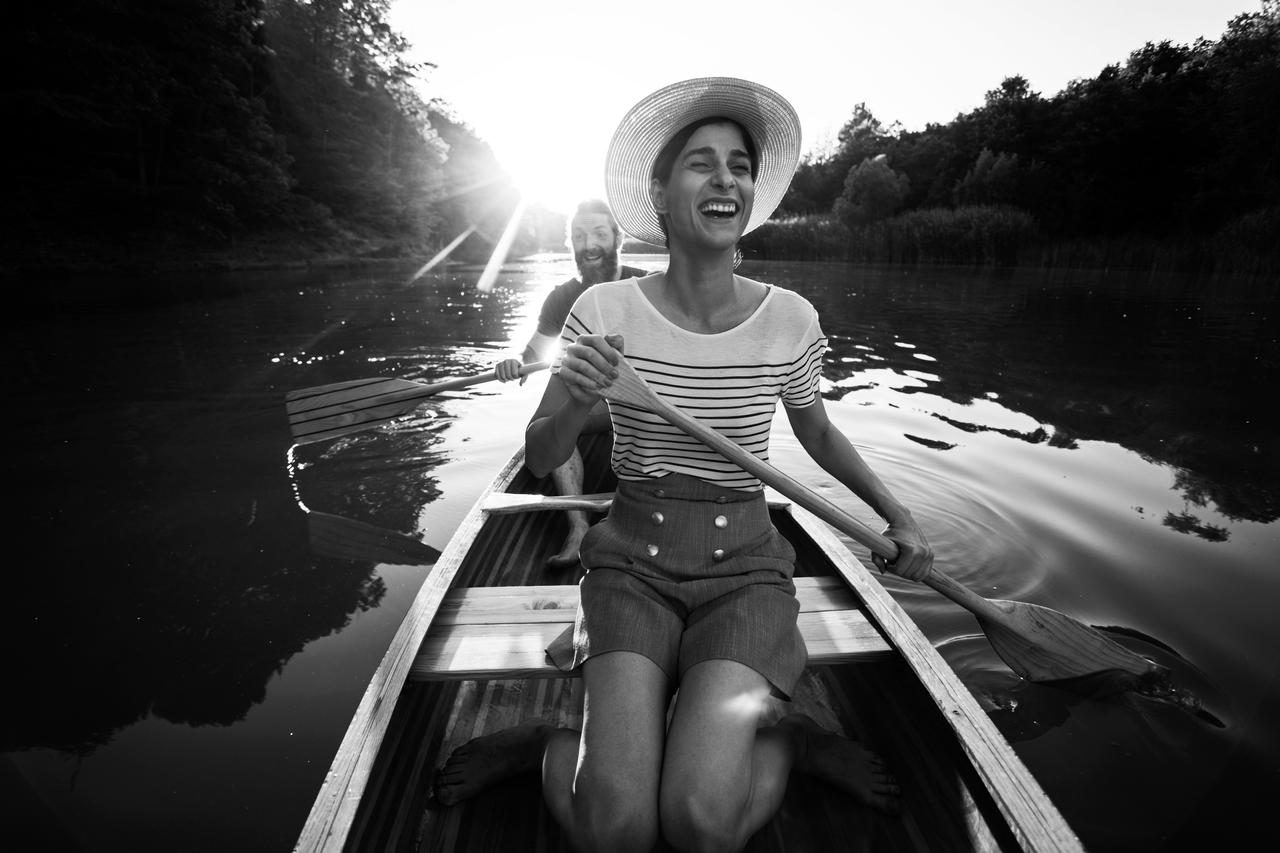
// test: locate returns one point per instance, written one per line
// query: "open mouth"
(718, 209)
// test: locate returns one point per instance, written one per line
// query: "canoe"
(468, 659)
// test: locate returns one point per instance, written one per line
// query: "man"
(596, 240)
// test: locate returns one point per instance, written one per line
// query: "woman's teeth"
(718, 208)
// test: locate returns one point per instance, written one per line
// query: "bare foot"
(489, 759)
(845, 763)
(568, 556)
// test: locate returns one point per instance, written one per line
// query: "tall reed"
(995, 235)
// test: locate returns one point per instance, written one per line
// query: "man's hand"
(509, 369)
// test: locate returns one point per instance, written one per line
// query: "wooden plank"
(1033, 818)
(503, 632)
(504, 502)
(501, 503)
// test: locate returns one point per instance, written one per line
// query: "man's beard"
(604, 268)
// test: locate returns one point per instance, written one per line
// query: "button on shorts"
(683, 571)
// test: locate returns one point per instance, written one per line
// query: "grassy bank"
(1006, 236)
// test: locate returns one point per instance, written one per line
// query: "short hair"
(588, 207)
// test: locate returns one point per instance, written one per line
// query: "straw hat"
(650, 124)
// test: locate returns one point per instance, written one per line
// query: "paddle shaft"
(810, 500)
(423, 391)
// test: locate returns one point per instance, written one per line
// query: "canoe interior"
(881, 704)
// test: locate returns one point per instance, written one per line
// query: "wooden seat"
(503, 632)
(503, 503)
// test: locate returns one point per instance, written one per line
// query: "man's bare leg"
(568, 480)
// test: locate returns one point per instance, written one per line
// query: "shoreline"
(293, 251)
(276, 251)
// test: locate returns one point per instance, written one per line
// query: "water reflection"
(164, 565)
(171, 570)
(1165, 366)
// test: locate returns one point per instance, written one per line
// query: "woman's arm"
(571, 393)
(836, 454)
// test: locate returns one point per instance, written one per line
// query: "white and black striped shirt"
(731, 381)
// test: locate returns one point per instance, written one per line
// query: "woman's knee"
(706, 821)
(612, 816)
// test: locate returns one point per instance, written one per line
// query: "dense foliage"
(204, 122)
(1179, 146)
(176, 124)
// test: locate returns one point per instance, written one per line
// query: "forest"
(264, 129)
(1170, 158)
(171, 129)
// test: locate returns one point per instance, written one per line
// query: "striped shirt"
(731, 381)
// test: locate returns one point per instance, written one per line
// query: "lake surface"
(183, 660)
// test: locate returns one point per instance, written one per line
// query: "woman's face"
(707, 200)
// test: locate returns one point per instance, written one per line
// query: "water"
(183, 661)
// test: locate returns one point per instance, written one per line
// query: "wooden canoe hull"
(963, 787)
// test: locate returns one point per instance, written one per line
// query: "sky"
(546, 82)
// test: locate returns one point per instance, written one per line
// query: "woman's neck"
(700, 284)
(702, 294)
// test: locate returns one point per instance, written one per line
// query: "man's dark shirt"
(555, 308)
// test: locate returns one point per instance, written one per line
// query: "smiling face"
(595, 247)
(707, 196)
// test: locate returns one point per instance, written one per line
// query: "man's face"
(594, 248)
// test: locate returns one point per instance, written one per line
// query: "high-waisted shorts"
(683, 571)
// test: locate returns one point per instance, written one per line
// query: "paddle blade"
(1041, 644)
(329, 411)
(347, 539)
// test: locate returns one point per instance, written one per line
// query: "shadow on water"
(171, 570)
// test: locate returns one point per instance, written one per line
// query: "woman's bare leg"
(720, 781)
(723, 778)
(602, 785)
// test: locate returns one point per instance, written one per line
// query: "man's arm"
(537, 349)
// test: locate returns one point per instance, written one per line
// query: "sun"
(529, 88)
(559, 166)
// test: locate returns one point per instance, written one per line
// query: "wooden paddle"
(348, 539)
(328, 411)
(1036, 642)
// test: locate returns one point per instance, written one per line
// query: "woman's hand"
(589, 365)
(915, 557)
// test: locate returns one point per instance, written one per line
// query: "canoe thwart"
(501, 503)
(503, 632)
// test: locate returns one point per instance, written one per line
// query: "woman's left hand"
(915, 557)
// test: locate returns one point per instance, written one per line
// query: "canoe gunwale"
(1029, 813)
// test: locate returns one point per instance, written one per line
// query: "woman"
(688, 585)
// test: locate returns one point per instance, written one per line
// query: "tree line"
(1175, 150)
(198, 123)
(184, 123)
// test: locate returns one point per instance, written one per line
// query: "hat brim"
(650, 124)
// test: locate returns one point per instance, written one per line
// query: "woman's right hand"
(588, 366)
